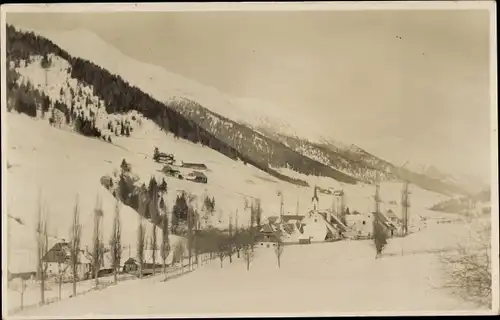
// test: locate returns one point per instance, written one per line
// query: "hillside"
(44, 161)
(118, 96)
(241, 136)
(256, 145)
(126, 117)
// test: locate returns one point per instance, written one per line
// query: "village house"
(288, 227)
(197, 176)
(130, 262)
(163, 157)
(22, 264)
(58, 260)
(131, 265)
(360, 224)
(268, 236)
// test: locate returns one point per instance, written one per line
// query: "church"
(322, 225)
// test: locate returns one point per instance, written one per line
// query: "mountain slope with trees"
(120, 97)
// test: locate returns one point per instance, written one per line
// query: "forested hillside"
(118, 96)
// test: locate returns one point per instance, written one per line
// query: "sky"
(405, 85)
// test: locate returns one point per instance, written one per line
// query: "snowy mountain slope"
(256, 145)
(230, 182)
(120, 97)
(169, 87)
(338, 159)
(472, 184)
(48, 163)
(165, 85)
(230, 189)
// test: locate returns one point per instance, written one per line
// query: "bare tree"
(19, 285)
(115, 243)
(141, 243)
(230, 240)
(247, 254)
(74, 245)
(190, 223)
(179, 254)
(97, 240)
(154, 248)
(248, 242)
(59, 277)
(42, 244)
(236, 236)
(279, 251)
(468, 269)
(165, 243)
(221, 252)
(256, 212)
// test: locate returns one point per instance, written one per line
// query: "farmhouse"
(58, 260)
(130, 262)
(268, 235)
(163, 157)
(197, 176)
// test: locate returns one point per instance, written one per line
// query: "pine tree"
(163, 186)
(153, 186)
(123, 189)
(379, 236)
(180, 209)
(125, 166)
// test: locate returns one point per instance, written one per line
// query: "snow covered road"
(323, 279)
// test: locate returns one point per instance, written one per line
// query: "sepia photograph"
(249, 159)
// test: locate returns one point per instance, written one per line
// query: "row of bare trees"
(72, 257)
(209, 242)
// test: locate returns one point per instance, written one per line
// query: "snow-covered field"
(60, 164)
(31, 297)
(317, 279)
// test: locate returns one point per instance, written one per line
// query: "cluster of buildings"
(58, 258)
(335, 223)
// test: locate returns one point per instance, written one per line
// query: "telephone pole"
(280, 194)
(404, 205)
(377, 194)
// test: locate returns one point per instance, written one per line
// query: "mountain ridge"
(149, 102)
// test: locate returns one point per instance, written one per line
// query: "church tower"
(315, 199)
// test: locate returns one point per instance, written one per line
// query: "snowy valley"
(77, 110)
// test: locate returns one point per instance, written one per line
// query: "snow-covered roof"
(338, 192)
(268, 228)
